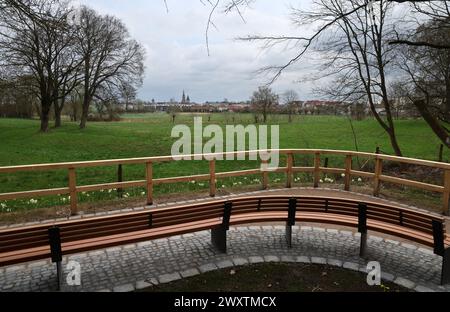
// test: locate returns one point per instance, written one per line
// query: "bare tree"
(263, 101)
(110, 56)
(290, 98)
(36, 46)
(428, 78)
(351, 35)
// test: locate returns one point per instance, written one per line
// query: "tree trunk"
(85, 111)
(45, 112)
(434, 124)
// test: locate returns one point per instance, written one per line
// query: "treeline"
(57, 59)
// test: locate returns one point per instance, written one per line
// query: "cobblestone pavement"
(141, 265)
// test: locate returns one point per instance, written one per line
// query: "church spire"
(183, 99)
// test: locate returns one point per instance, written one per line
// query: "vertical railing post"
(316, 170)
(73, 192)
(120, 180)
(378, 173)
(446, 196)
(348, 171)
(212, 178)
(290, 170)
(265, 174)
(149, 178)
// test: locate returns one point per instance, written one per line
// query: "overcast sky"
(177, 57)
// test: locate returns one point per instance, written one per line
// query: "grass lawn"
(277, 278)
(143, 135)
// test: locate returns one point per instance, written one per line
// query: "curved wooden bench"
(55, 240)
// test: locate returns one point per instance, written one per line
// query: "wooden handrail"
(377, 176)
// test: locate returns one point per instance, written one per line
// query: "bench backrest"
(37, 236)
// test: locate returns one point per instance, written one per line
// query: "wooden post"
(441, 152)
(378, 173)
(265, 174)
(290, 170)
(73, 192)
(316, 170)
(446, 196)
(348, 174)
(212, 178)
(149, 177)
(120, 179)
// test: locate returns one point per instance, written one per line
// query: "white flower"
(84, 193)
(33, 201)
(193, 182)
(223, 186)
(359, 180)
(126, 195)
(143, 194)
(343, 175)
(63, 199)
(321, 181)
(109, 191)
(240, 183)
(3, 205)
(201, 184)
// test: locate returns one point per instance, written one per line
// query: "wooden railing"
(377, 177)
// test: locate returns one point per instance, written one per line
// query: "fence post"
(348, 173)
(378, 173)
(265, 174)
(73, 192)
(149, 177)
(290, 172)
(212, 178)
(446, 196)
(316, 170)
(120, 180)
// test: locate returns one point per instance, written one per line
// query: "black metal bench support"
(291, 220)
(54, 236)
(219, 234)
(362, 229)
(440, 250)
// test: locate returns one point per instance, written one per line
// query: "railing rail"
(377, 176)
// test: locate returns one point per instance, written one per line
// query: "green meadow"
(145, 135)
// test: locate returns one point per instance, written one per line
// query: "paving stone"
(387, 277)
(271, 259)
(320, 230)
(240, 261)
(15, 268)
(37, 264)
(113, 249)
(334, 262)
(124, 288)
(393, 242)
(423, 289)
(351, 266)
(142, 285)
(168, 278)
(190, 273)
(405, 283)
(346, 233)
(333, 231)
(375, 239)
(207, 267)
(303, 259)
(224, 264)
(426, 251)
(145, 244)
(409, 246)
(256, 259)
(318, 260)
(287, 259)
